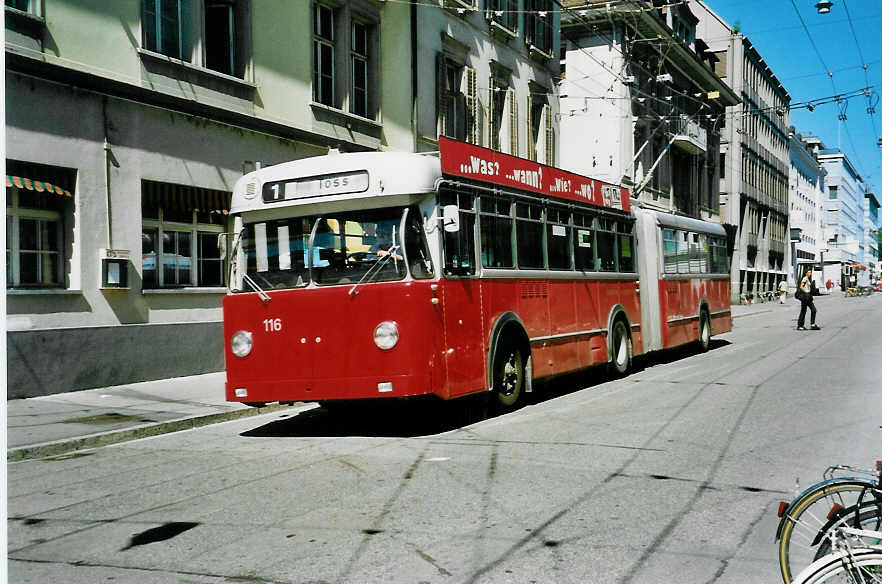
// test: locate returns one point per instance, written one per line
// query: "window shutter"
(549, 136)
(531, 140)
(513, 121)
(491, 123)
(441, 104)
(471, 99)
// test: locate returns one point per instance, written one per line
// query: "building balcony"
(690, 136)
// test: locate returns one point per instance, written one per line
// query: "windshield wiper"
(234, 267)
(260, 292)
(375, 269)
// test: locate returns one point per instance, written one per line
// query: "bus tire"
(621, 348)
(509, 374)
(704, 331)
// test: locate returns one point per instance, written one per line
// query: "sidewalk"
(65, 422)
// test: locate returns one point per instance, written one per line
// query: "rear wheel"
(798, 545)
(509, 374)
(622, 350)
(704, 331)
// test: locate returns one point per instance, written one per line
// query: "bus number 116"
(272, 325)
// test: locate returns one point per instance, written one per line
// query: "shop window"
(182, 236)
(39, 210)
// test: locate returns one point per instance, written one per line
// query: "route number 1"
(272, 325)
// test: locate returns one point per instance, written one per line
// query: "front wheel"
(862, 565)
(509, 375)
(622, 350)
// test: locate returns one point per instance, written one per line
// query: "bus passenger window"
(417, 249)
(583, 242)
(459, 247)
(682, 252)
(670, 251)
(626, 247)
(606, 245)
(529, 227)
(496, 225)
(557, 233)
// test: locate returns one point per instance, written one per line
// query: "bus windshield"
(340, 248)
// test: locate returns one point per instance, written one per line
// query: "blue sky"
(844, 45)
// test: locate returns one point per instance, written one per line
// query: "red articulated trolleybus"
(382, 274)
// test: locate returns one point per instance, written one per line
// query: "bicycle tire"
(867, 517)
(808, 515)
(861, 565)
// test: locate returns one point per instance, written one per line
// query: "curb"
(68, 445)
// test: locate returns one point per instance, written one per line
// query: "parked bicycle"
(852, 500)
(855, 556)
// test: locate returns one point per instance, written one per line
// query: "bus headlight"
(241, 343)
(386, 335)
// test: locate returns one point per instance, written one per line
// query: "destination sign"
(316, 186)
(485, 165)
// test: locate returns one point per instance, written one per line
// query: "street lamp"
(823, 6)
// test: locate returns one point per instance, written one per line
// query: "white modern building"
(754, 156)
(807, 227)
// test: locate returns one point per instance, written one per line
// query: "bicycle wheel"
(854, 566)
(868, 517)
(809, 514)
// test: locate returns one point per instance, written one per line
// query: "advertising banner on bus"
(482, 164)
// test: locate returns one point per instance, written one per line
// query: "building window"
(359, 59)
(182, 236)
(163, 30)
(29, 6)
(538, 29)
(504, 13)
(452, 102)
(338, 33)
(323, 55)
(834, 192)
(540, 140)
(177, 28)
(39, 207)
(220, 36)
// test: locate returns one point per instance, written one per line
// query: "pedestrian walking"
(806, 301)
(782, 290)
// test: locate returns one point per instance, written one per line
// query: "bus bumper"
(328, 388)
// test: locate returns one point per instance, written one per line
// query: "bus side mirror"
(451, 218)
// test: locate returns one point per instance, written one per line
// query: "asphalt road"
(672, 474)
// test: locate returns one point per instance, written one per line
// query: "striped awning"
(35, 185)
(183, 197)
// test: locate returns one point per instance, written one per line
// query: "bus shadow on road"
(409, 418)
(429, 415)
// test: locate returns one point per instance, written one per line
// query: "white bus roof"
(387, 173)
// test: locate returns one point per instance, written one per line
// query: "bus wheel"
(622, 349)
(704, 332)
(508, 375)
